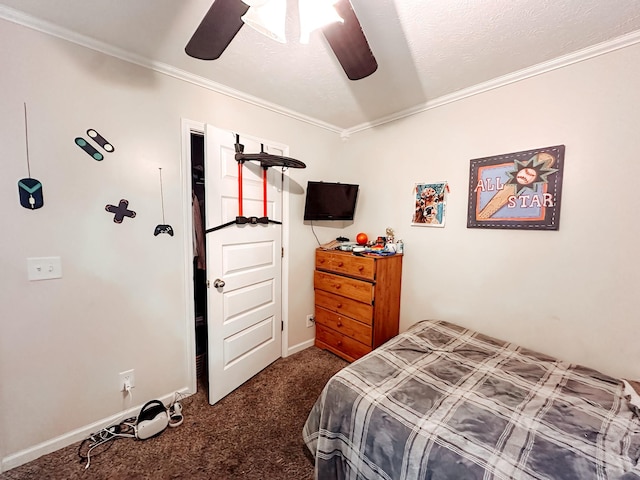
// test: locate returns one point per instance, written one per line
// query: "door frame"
(187, 128)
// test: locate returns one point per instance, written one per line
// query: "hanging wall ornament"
(162, 228)
(120, 211)
(29, 189)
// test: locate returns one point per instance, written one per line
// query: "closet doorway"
(199, 255)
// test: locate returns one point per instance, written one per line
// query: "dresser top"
(359, 254)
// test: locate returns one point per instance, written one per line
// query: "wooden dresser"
(357, 301)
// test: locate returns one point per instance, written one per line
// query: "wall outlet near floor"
(127, 381)
(311, 320)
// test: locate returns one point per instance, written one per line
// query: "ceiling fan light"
(315, 14)
(268, 18)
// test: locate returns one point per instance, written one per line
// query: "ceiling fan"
(225, 18)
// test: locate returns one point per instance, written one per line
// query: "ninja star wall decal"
(120, 211)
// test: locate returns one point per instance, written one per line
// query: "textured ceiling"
(426, 49)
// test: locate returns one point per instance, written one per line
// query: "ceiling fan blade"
(217, 29)
(349, 44)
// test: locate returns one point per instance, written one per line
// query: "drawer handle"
(339, 323)
(339, 343)
(339, 305)
(341, 264)
(360, 267)
(337, 286)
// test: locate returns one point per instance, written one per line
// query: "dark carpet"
(253, 433)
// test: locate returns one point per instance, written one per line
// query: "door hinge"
(282, 252)
(208, 285)
(282, 325)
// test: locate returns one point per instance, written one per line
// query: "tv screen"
(330, 201)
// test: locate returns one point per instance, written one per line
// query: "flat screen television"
(330, 201)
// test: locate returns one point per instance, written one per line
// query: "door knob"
(217, 283)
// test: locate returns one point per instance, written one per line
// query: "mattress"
(440, 401)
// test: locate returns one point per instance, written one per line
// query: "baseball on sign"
(526, 176)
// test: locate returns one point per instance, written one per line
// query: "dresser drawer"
(347, 287)
(346, 264)
(345, 325)
(340, 344)
(362, 312)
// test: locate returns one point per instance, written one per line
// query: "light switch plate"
(44, 268)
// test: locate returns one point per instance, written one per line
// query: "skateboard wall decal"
(90, 149)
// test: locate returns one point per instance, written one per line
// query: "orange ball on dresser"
(362, 238)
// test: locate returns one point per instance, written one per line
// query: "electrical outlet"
(310, 320)
(127, 380)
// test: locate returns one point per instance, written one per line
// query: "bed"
(440, 401)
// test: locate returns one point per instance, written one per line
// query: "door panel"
(242, 257)
(240, 345)
(248, 299)
(244, 318)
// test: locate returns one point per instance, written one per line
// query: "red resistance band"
(264, 191)
(240, 188)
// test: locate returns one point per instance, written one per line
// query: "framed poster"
(519, 190)
(430, 204)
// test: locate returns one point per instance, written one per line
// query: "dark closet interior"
(199, 251)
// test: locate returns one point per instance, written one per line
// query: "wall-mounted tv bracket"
(266, 160)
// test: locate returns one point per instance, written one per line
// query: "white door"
(244, 312)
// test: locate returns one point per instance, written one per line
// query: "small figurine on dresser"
(390, 235)
(390, 245)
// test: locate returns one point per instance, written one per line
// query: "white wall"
(571, 293)
(121, 301)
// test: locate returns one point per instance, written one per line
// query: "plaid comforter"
(443, 402)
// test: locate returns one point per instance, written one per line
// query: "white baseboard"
(27, 455)
(299, 347)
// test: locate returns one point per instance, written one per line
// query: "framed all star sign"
(520, 190)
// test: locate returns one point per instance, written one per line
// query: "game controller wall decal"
(90, 149)
(29, 189)
(163, 227)
(120, 211)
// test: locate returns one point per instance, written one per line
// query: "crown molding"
(49, 28)
(618, 43)
(535, 70)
